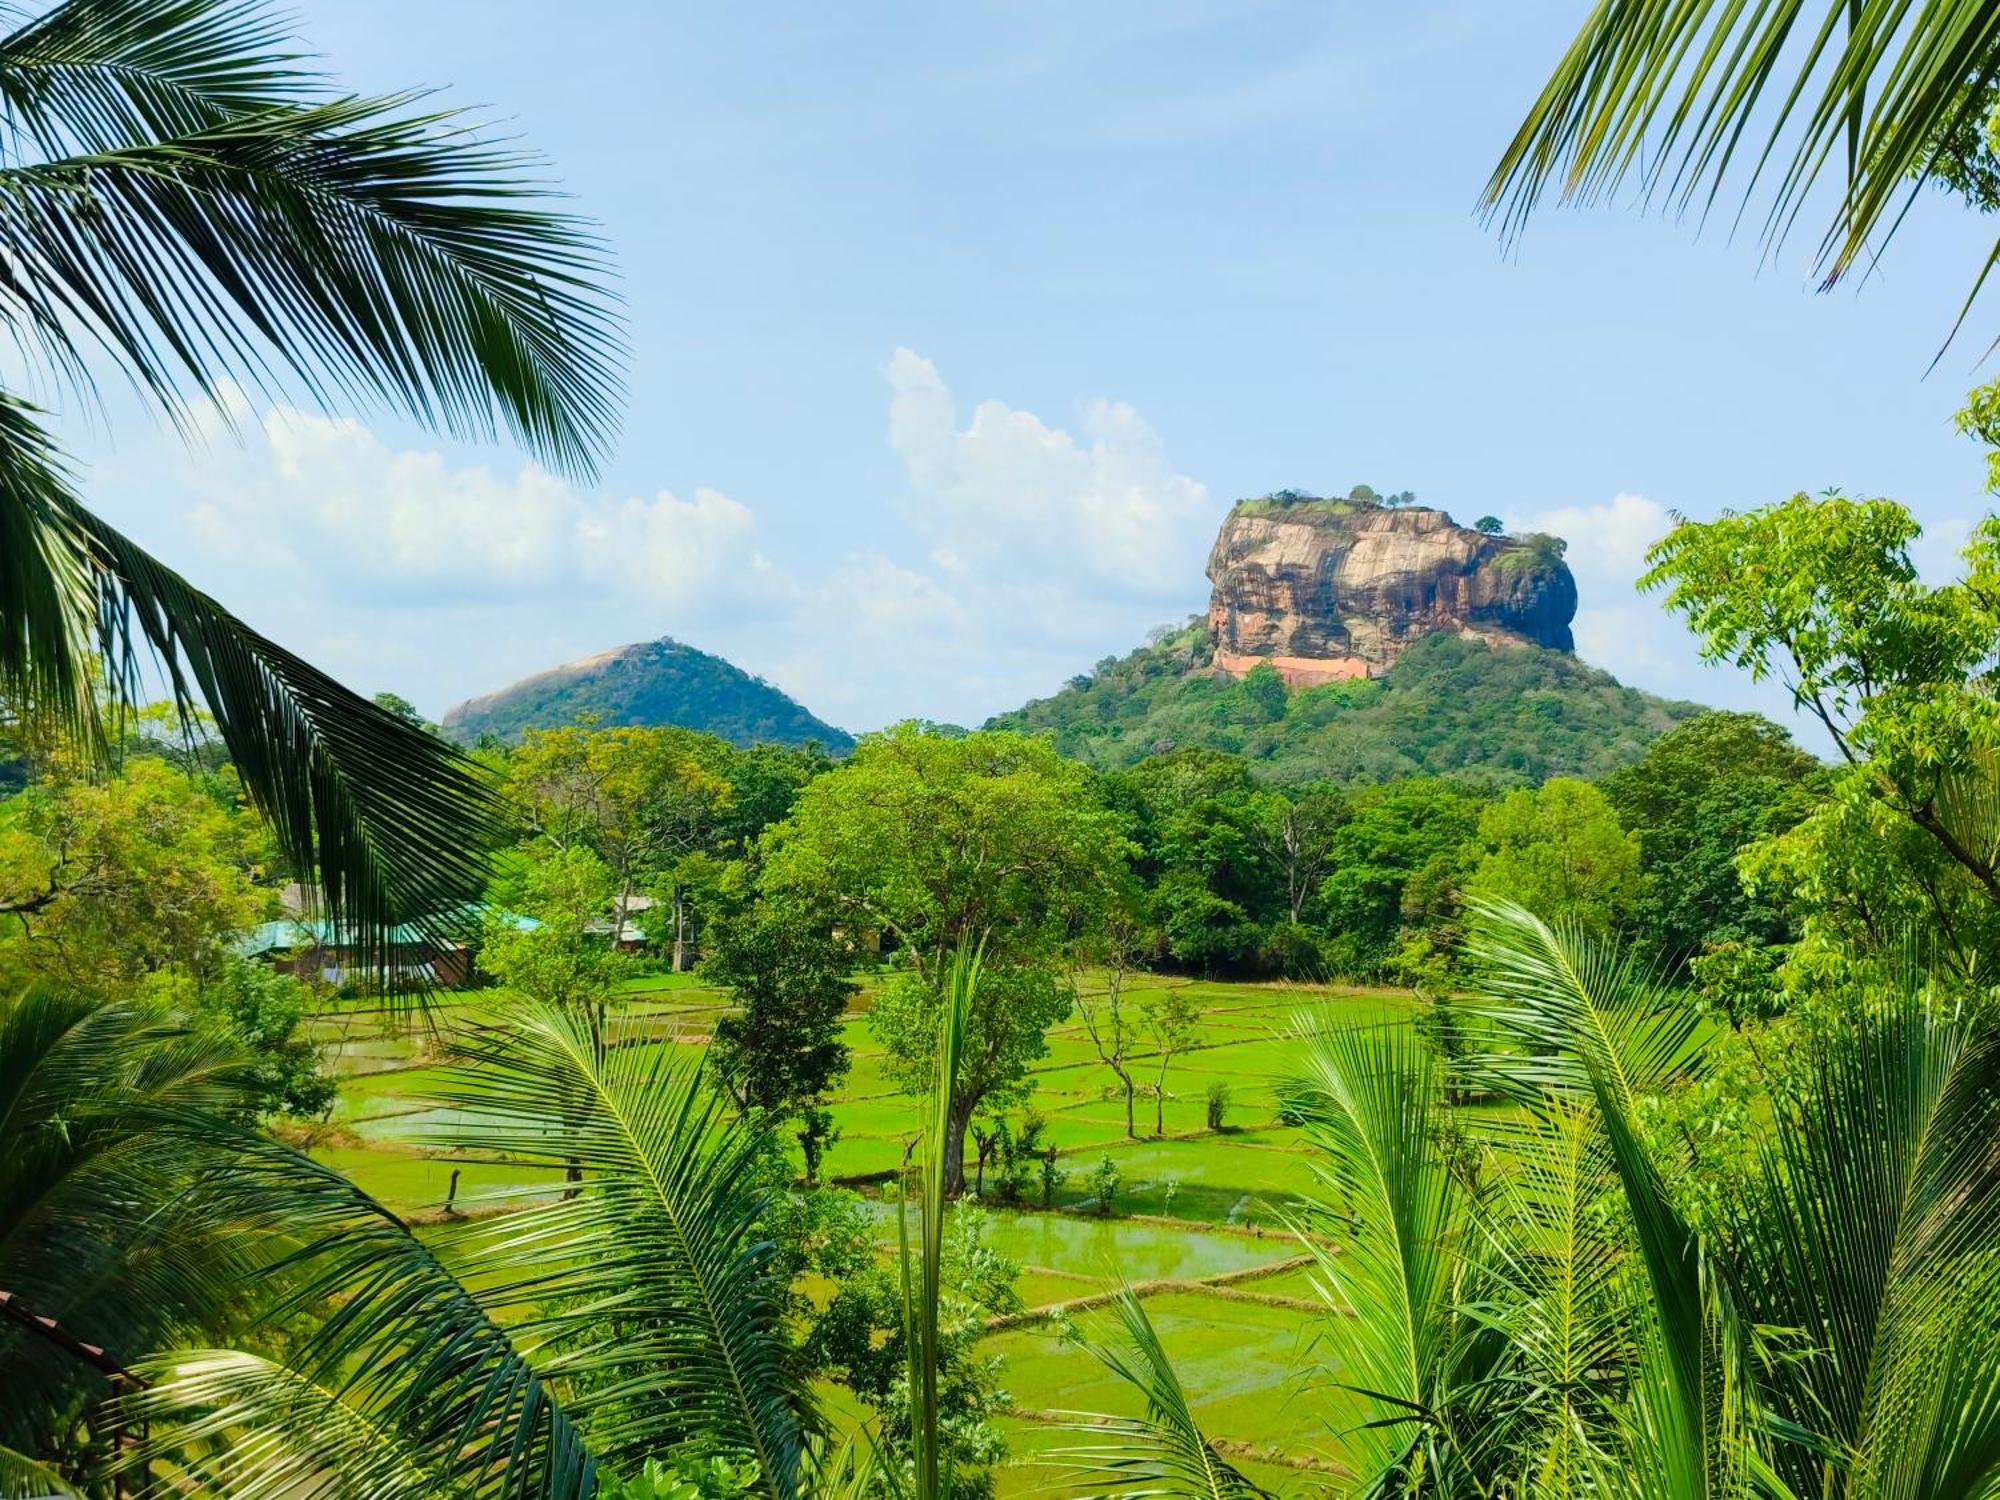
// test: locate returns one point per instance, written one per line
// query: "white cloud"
(328, 500)
(1009, 495)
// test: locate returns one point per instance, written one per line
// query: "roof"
(289, 933)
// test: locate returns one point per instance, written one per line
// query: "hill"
(1512, 714)
(653, 682)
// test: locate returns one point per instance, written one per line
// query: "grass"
(1247, 1363)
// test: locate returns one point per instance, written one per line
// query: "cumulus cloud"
(1009, 494)
(327, 499)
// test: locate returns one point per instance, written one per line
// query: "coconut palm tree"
(185, 203)
(1837, 111)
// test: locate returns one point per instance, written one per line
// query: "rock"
(1328, 589)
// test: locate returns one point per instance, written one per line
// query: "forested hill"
(1512, 715)
(653, 682)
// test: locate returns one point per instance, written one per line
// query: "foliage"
(1217, 1102)
(190, 205)
(782, 1049)
(262, 1012)
(1510, 715)
(554, 957)
(1403, 834)
(1823, 591)
(112, 879)
(661, 683)
(939, 842)
(1559, 852)
(1684, 98)
(1172, 1018)
(1704, 791)
(1103, 1184)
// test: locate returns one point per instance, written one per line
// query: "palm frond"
(1871, 1237)
(923, 1269)
(101, 1221)
(21, 1478)
(1162, 1453)
(395, 824)
(1684, 97)
(388, 1328)
(222, 1422)
(648, 1283)
(214, 224)
(1592, 1028)
(1553, 1284)
(1369, 1100)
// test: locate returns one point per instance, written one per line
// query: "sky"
(955, 330)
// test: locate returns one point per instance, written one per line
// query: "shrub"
(1218, 1104)
(1052, 1176)
(1104, 1185)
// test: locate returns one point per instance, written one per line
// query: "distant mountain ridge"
(647, 683)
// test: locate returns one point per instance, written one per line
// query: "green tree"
(1823, 591)
(1559, 852)
(1397, 830)
(782, 1049)
(1704, 791)
(191, 205)
(546, 939)
(1172, 1018)
(104, 881)
(1491, 525)
(942, 843)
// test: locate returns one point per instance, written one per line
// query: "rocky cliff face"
(1326, 589)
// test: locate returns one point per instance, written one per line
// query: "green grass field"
(1192, 1206)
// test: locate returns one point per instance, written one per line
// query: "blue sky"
(956, 328)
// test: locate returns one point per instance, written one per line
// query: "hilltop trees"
(944, 843)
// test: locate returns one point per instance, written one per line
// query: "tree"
(559, 956)
(1703, 792)
(106, 881)
(1823, 591)
(399, 707)
(1867, 94)
(1172, 1018)
(1106, 1021)
(1491, 525)
(1567, 1323)
(643, 799)
(1397, 830)
(191, 206)
(1295, 829)
(782, 1050)
(944, 843)
(1559, 852)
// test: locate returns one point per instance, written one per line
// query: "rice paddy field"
(1197, 1226)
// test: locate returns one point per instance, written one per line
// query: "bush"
(1052, 1176)
(1104, 1185)
(1218, 1104)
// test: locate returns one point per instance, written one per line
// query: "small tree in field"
(1112, 1028)
(1173, 1025)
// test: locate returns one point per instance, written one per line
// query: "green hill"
(1510, 715)
(653, 682)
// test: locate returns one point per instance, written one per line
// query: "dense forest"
(1504, 716)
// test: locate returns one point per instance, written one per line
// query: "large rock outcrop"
(1326, 589)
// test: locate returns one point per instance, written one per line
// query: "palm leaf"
(221, 1422)
(1593, 1029)
(215, 219)
(21, 1478)
(1369, 1100)
(648, 1284)
(389, 1329)
(1681, 97)
(395, 823)
(1162, 1453)
(1871, 1236)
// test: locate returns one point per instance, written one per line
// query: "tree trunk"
(1131, 1129)
(1160, 1105)
(680, 930)
(954, 1146)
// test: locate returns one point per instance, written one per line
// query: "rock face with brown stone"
(1326, 589)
